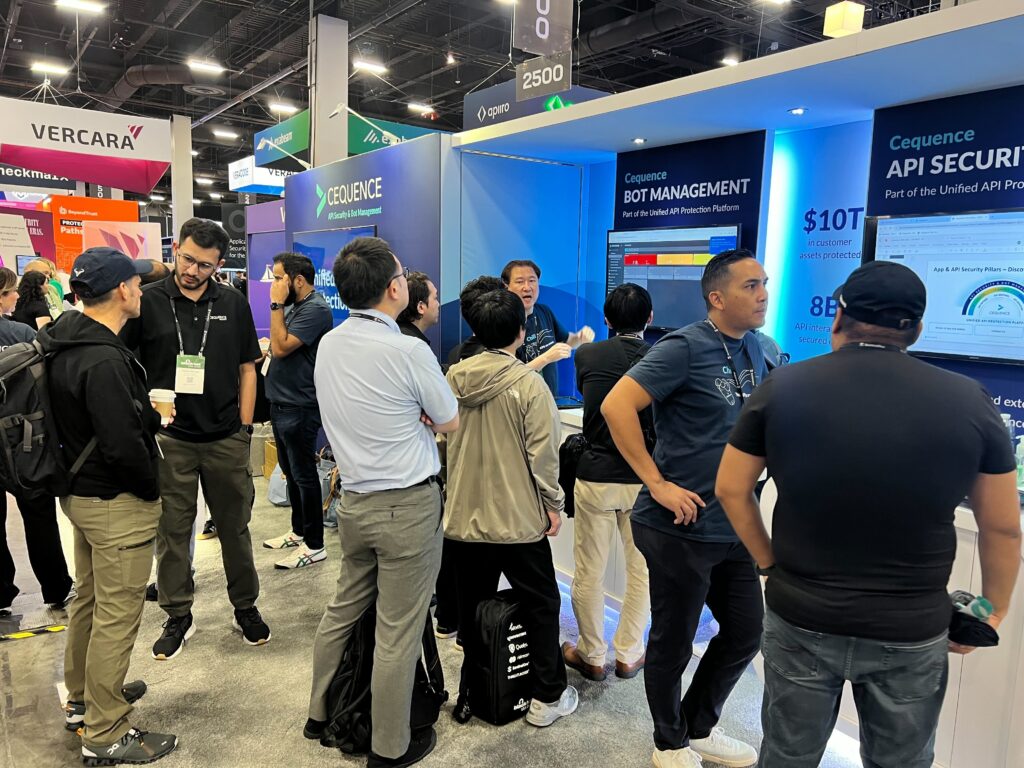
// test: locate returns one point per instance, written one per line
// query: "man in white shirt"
(382, 398)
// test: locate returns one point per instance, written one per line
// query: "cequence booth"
(909, 147)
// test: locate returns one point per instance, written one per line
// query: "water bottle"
(976, 607)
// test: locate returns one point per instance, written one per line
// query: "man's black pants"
(295, 430)
(42, 539)
(684, 575)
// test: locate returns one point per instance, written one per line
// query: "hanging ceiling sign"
(245, 176)
(543, 27)
(121, 151)
(544, 76)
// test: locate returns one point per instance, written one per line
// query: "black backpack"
(499, 685)
(348, 697)
(33, 460)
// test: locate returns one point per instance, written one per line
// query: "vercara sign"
(274, 145)
(543, 27)
(120, 151)
(964, 153)
(701, 183)
(498, 103)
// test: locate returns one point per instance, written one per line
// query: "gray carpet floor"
(233, 705)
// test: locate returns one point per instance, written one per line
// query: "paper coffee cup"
(163, 402)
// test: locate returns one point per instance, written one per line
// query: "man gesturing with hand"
(697, 377)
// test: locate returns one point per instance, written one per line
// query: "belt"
(426, 481)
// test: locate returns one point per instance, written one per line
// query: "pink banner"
(40, 230)
(119, 172)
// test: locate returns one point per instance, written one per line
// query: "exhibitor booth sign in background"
(498, 104)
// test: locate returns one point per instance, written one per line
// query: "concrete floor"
(233, 705)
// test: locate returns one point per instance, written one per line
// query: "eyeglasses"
(404, 273)
(189, 262)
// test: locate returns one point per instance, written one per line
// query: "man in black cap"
(100, 401)
(871, 450)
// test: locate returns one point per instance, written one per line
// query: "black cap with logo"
(100, 270)
(883, 293)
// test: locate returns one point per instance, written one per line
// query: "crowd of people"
(450, 478)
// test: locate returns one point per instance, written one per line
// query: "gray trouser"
(224, 468)
(391, 552)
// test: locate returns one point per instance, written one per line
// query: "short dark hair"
(500, 317)
(716, 272)
(506, 273)
(472, 291)
(419, 290)
(628, 308)
(363, 270)
(295, 264)
(205, 234)
(857, 330)
(95, 301)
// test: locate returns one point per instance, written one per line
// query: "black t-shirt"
(232, 341)
(871, 450)
(599, 367)
(543, 331)
(29, 311)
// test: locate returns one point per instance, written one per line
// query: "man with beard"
(197, 337)
(299, 317)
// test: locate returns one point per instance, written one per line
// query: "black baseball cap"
(100, 270)
(883, 293)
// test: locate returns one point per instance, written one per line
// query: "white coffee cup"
(163, 402)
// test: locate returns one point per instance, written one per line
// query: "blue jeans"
(898, 689)
(295, 431)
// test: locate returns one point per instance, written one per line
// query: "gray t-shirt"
(290, 379)
(13, 332)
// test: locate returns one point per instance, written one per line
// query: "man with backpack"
(100, 399)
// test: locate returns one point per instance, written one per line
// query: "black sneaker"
(177, 629)
(209, 531)
(135, 748)
(420, 745)
(151, 593)
(61, 605)
(252, 626)
(314, 729)
(74, 711)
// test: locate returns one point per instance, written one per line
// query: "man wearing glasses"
(197, 337)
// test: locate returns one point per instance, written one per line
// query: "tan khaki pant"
(600, 509)
(113, 556)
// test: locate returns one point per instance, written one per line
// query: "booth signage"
(290, 136)
(543, 27)
(364, 138)
(14, 240)
(121, 151)
(700, 183)
(964, 153)
(69, 213)
(498, 104)
(233, 220)
(23, 177)
(245, 176)
(40, 230)
(544, 76)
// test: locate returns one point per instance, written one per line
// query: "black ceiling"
(622, 45)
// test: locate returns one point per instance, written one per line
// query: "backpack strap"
(86, 452)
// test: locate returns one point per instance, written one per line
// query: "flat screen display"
(669, 264)
(323, 247)
(973, 267)
(24, 261)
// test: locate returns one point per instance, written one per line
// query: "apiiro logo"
(489, 113)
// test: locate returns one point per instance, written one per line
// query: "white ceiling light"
(195, 153)
(423, 109)
(157, 198)
(369, 66)
(451, 58)
(842, 19)
(83, 6)
(209, 67)
(221, 133)
(776, 2)
(639, 140)
(47, 68)
(730, 61)
(798, 111)
(216, 195)
(283, 109)
(143, 203)
(204, 181)
(196, 201)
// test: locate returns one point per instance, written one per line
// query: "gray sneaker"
(543, 715)
(74, 711)
(135, 748)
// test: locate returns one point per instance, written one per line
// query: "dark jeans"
(295, 431)
(42, 538)
(684, 575)
(531, 572)
(898, 689)
(447, 611)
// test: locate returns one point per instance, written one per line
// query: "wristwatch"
(274, 305)
(764, 571)
(247, 428)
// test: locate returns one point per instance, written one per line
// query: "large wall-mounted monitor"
(973, 267)
(669, 264)
(323, 247)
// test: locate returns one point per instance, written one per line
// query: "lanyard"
(361, 316)
(206, 328)
(732, 365)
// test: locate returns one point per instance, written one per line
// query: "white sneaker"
(302, 557)
(543, 715)
(287, 541)
(724, 750)
(676, 758)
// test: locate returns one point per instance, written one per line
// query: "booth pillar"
(328, 87)
(181, 171)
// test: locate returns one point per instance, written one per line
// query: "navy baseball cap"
(101, 270)
(883, 293)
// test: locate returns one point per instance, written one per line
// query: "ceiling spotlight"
(157, 198)
(798, 111)
(369, 66)
(209, 67)
(195, 153)
(49, 69)
(220, 133)
(507, 2)
(423, 109)
(639, 140)
(451, 58)
(216, 195)
(844, 18)
(204, 182)
(776, 2)
(283, 109)
(196, 201)
(143, 203)
(83, 6)
(730, 61)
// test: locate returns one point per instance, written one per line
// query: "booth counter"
(985, 695)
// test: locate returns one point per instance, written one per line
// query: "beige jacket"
(503, 459)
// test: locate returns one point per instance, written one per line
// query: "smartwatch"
(274, 305)
(247, 428)
(764, 571)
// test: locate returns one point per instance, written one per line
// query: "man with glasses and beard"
(299, 317)
(197, 337)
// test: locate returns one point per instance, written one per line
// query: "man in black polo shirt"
(299, 317)
(197, 337)
(424, 309)
(871, 450)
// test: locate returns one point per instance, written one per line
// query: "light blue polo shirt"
(373, 383)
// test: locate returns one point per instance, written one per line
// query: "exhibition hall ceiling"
(132, 56)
